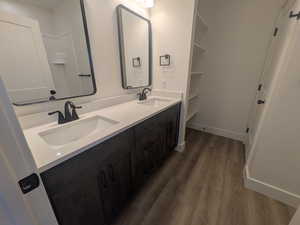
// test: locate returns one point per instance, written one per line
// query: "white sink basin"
(76, 130)
(154, 102)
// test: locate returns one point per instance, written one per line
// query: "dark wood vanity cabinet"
(93, 187)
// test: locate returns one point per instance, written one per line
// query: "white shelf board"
(200, 19)
(198, 46)
(191, 115)
(197, 73)
(193, 95)
(59, 62)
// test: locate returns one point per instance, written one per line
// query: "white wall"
(237, 41)
(172, 22)
(172, 30)
(102, 24)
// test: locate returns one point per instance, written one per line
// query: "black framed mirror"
(135, 44)
(45, 52)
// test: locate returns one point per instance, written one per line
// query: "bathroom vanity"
(91, 183)
(90, 163)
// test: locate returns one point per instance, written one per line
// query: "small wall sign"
(165, 60)
(136, 62)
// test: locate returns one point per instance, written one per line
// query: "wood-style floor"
(203, 186)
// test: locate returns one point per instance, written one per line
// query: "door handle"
(29, 183)
(260, 102)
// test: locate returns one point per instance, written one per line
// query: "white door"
(13, 208)
(23, 60)
(16, 163)
(282, 35)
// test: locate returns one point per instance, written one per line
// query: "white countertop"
(126, 114)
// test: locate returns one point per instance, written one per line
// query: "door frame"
(19, 163)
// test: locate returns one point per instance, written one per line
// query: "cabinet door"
(92, 187)
(115, 184)
(172, 116)
(149, 146)
(155, 139)
(169, 127)
(151, 156)
(75, 201)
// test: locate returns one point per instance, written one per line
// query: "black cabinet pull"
(112, 173)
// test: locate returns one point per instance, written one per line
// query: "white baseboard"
(270, 190)
(180, 147)
(217, 131)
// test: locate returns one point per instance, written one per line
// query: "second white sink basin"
(155, 102)
(76, 130)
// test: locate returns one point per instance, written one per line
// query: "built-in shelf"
(200, 29)
(191, 115)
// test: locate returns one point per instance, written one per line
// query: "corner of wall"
(270, 190)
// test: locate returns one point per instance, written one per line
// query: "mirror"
(45, 51)
(135, 40)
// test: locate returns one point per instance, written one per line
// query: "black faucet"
(69, 116)
(143, 94)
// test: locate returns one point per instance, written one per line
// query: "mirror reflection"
(135, 48)
(44, 53)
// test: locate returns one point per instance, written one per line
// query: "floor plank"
(203, 186)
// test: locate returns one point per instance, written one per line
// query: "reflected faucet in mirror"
(69, 116)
